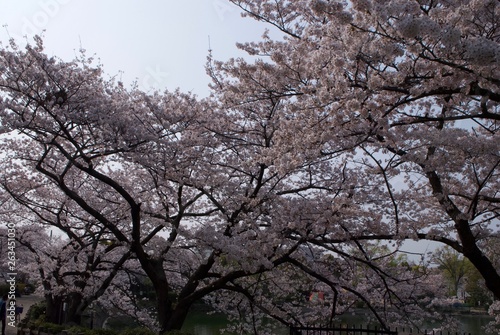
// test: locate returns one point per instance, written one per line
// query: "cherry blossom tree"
(413, 88)
(89, 142)
(179, 185)
(315, 202)
(206, 196)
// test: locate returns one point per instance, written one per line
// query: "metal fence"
(355, 330)
(409, 331)
(341, 330)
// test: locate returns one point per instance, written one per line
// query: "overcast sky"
(160, 43)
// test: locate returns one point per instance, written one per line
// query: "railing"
(341, 330)
(410, 331)
(354, 330)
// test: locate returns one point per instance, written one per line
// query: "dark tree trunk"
(470, 248)
(53, 309)
(155, 272)
(61, 310)
(480, 261)
(73, 308)
(176, 318)
(169, 318)
(164, 305)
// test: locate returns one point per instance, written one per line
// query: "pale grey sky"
(160, 43)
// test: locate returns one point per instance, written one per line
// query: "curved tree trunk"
(469, 246)
(480, 261)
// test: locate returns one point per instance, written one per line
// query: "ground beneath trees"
(25, 301)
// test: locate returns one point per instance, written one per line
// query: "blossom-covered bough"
(413, 88)
(311, 201)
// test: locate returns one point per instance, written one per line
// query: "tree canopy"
(412, 88)
(370, 121)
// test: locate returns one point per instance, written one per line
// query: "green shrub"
(102, 332)
(178, 332)
(4, 289)
(36, 312)
(137, 331)
(48, 327)
(76, 330)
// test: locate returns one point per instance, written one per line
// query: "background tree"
(477, 293)
(454, 267)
